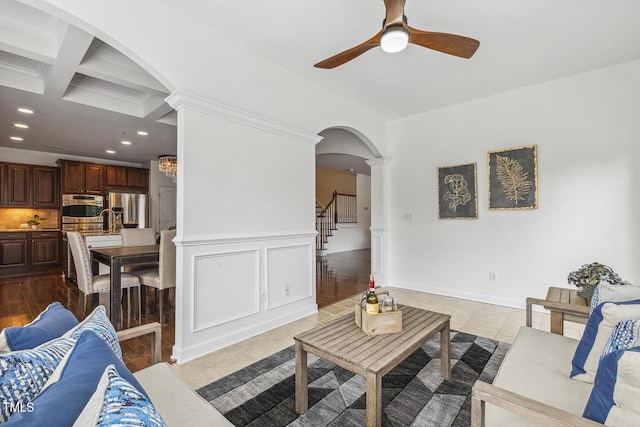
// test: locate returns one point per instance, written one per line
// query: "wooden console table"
(564, 304)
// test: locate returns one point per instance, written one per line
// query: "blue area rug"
(414, 393)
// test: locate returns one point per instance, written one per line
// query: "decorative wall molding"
(377, 162)
(180, 99)
(223, 239)
(299, 277)
(209, 311)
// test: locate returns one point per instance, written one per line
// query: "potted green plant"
(34, 221)
(588, 276)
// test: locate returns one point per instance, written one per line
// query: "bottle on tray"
(372, 298)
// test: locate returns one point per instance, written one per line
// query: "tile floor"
(492, 321)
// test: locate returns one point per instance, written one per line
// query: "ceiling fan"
(396, 34)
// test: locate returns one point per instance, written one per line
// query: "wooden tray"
(377, 324)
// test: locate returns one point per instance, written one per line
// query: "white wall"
(349, 237)
(587, 131)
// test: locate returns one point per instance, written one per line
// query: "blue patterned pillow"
(615, 394)
(70, 387)
(625, 335)
(118, 403)
(54, 321)
(596, 335)
(24, 373)
(99, 323)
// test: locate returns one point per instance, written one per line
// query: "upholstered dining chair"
(138, 237)
(88, 284)
(164, 276)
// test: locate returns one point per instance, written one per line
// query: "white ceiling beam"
(106, 63)
(73, 47)
(158, 111)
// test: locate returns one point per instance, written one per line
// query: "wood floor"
(342, 275)
(338, 276)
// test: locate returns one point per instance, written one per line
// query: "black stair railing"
(341, 209)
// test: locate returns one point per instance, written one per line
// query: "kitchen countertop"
(100, 233)
(13, 230)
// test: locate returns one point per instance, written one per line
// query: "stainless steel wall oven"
(81, 212)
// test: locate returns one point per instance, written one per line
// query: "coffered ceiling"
(86, 96)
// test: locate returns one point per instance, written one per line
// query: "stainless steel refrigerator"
(131, 210)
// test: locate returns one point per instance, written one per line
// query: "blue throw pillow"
(24, 373)
(72, 384)
(118, 403)
(54, 321)
(625, 335)
(99, 323)
(596, 335)
(615, 394)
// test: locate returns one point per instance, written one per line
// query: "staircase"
(340, 210)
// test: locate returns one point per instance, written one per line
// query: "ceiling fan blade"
(395, 12)
(452, 44)
(349, 54)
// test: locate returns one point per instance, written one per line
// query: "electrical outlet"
(493, 277)
(287, 290)
(263, 297)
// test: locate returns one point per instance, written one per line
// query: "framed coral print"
(457, 192)
(513, 178)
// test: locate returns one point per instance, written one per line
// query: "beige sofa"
(176, 402)
(533, 387)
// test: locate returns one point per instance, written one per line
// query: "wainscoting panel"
(289, 271)
(226, 287)
(233, 287)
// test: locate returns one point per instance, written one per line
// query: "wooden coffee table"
(343, 343)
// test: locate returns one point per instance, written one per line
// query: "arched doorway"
(343, 214)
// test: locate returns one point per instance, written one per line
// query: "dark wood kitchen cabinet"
(31, 186)
(81, 177)
(13, 250)
(45, 248)
(26, 252)
(18, 180)
(94, 178)
(45, 192)
(2, 180)
(126, 178)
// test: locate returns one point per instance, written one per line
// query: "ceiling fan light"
(394, 39)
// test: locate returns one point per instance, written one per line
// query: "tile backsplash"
(13, 218)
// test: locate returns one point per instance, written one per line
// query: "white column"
(379, 240)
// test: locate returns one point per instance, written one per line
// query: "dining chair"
(138, 237)
(90, 285)
(164, 276)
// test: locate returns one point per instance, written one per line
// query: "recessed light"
(25, 110)
(126, 142)
(21, 125)
(142, 133)
(111, 152)
(16, 138)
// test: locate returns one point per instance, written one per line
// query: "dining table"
(116, 258)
